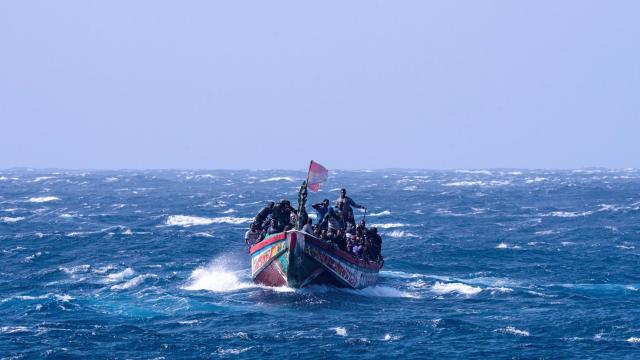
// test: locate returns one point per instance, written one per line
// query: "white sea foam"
(502, 245)
(381, 291)
(111, 179)
(389, 337)
(634, 340)
(477, 172)
(133, 282)
(119, 276)
(203, 234)
(13, 329)
(9, 219)
(400, 234)
(76, 269)
(535, 180)
(43, 199)
(186, 221)
(42, 178)
(340, 331)
(215, 278)
(230, 211)
(545, 232)
(223, 352)
(479, 183)
(513, 331)
(278, 178)
(568, 214)
(460, 288)
(388, 225)
(382, 213)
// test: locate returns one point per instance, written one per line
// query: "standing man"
(346, 204)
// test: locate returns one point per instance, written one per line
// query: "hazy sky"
(351, 84)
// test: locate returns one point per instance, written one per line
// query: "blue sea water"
(479, 264)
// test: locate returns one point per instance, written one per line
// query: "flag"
(317, 175)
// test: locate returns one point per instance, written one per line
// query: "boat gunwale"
(369, 265)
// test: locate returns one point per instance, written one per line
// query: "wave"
(479, 183)
(388, 225)
(382, 213)
(535, 180)
(460, 288)
(477, 172)
(134, 282)
(13, 329)
(389, 337)
(340, 331)
(119, 276)
(568, 214)
(203, 234)
(512, 331)
(382, 291)
(186, 221)
(43, 199)
(400, 234)
(633, 340)
(278, 178)
(215, 278)
(42, 178)
(9, 219)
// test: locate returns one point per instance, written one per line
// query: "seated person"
(308, 226)
(252, 236)
(273, 227)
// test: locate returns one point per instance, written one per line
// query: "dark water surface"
(479, 264)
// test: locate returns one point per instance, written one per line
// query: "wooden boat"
(297, 259)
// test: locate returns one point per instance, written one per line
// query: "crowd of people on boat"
(335, 225)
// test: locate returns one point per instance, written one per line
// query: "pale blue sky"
(352, 84)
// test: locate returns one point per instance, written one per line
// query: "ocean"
(499, 264)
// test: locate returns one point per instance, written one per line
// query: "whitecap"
(477, 172)
(119, 276)
(43, 199)
(340, 331)
(42, 178)
(382, 213)
(512, 331)
(239, 351)
(568, 214)
(633, 340)
(203, 234)
(13, 329)
(278, 178)
(133, 282)
(381, 291)
(389, 337)
(9, 219)
(186, 221)
(400, 234)
(388, 225)
(230, 211)
(460, 288)
(502, 246)
(535, 180)
(215, 278)
(111, 179)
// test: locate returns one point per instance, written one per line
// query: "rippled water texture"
(479, 264)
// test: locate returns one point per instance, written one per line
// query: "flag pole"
(303, 188)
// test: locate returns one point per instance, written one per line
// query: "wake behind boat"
(287, 249)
